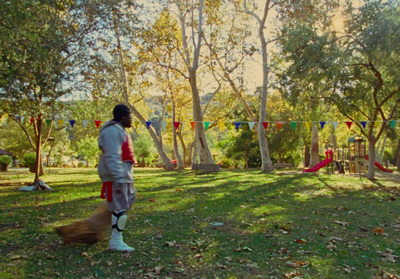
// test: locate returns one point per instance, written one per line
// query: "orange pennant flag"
(193, 124)
(279, 125)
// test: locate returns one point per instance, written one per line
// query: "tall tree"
(356, 64)
(35, 48)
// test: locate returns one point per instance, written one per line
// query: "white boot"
(118, 220)
(117, 243)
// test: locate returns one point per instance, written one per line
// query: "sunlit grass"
(271, 222)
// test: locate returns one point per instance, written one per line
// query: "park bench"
(283, 165)
(206, 167)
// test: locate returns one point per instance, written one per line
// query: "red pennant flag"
(265, 124)
(31, 120)
(279, 125)
(97, 122)
(193, 125)
(176, 125)
(349, 123)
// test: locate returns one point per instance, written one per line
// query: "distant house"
(3, 152)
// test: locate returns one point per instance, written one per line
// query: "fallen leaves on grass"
(171, 244)
(296, 264)
(342, 223)
(379, 231)
(301, 241)
(293, 275)
(388, 256)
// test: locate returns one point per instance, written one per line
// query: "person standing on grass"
(116, 172)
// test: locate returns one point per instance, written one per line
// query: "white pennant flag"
(22, 119)
(335, 123)
(85, 122)
(163, 124)
(251, 125)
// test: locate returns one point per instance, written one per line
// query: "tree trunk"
(202, 145)
(371, 155)
(175, 142)
(314, 147)
(307, 155)
(184, 155)
(38, 151)
(265, 156)
(398, 155)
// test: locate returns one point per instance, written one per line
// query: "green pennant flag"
(206, 124)
(48, 121)
(392, 123)
(293, 124)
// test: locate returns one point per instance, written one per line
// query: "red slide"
(321, 164)
(379, 166)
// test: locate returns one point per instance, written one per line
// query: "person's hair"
(120, 111)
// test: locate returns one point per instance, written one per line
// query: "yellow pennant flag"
(60, 122)
(169, 125)
(308, 125)
(136, 123)
(221, 126)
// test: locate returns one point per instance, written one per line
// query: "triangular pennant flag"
(16, 118)
(335, 124)
(349, 123)
(48, 121)
(148, 123)
(237, 124)
(364, 123)
(176, 125)
(22, 119)
(136, 124)
(308, 125)
(31, 120)
(322, 123)
(60, 122)
(293, 124)
(279, 125)
(265, 124)
(206, 124)
(163, 124)
(97, 123)
(193, 124)
(72, 122)
(392, 123)
(85, 122)
(251, 125)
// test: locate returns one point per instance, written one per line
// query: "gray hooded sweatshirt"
(116, 162)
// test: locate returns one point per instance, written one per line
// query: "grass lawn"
(279, 225)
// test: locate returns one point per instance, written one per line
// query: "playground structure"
(351, 159)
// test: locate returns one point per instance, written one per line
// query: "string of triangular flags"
(237, 124)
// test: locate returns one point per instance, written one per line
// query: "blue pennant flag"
(364, 123)
(148, 123)
(322, 124)
(72, 122)
(237, 124)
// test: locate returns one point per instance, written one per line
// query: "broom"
(90, 230)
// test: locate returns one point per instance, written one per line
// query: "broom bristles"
(90, 230)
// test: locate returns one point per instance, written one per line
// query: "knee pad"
(118, 220)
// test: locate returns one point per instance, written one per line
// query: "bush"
(5, 160)
(226, 163)
(29, 159)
